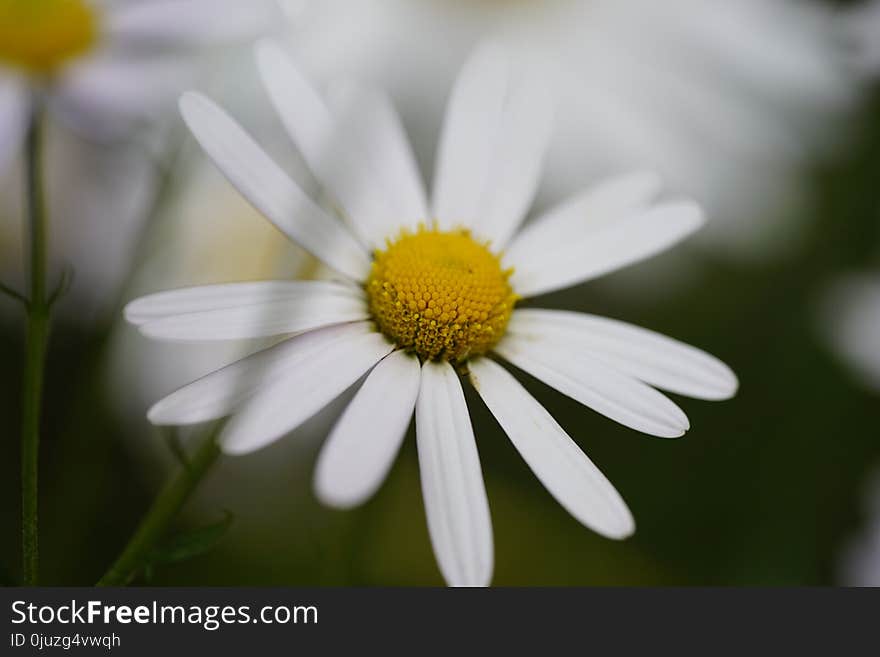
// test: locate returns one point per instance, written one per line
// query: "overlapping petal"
(271, 190)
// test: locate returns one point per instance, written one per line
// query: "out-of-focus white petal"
(13, 118)
(367, 117)
(236, 311)
(520, 141)
(467, 143)
(727, 99)
(362, 446)
(304, 389)
(107, 96)
(851, 321)
(220, 393)
(650, 357)
(593, 253)
(359, 152)
(553, 456)
(452, 483)
(189, 23)
(270, 190)
(305, 313)
(224, 296)
(599, 207)
(617, 396)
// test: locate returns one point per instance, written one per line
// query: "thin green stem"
(165, 508)
(36, 339)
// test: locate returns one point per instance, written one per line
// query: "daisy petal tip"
(619, 528)
(693, 215)
(673, 432)
(236, 448)
(625, 531)
(193, 106)
(731, 387)
(725, 385)
(156, 416)
(677, 423)
(328, 493)
(188, 100)
(131, 313)
(338, 503)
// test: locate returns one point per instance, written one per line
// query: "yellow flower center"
(440, 294)
(42, 35)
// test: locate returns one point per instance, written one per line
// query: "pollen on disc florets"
(440, 294)
(42, 35)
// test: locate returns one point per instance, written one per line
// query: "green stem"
(165, 508)
(37, 334)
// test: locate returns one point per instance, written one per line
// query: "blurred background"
(766, 111)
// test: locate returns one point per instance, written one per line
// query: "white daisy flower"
(727, 99)
(107, 63)
(429, 294)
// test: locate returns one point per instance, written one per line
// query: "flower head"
(440, 294)
(428, 296)
(40, 36)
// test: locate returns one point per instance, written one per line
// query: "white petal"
(553, 456)
(465, 151)
(224, 296)
(106, 96)
(302, 308)
(190, 23)
(306, 387)
(587, 380)
(850, 320)
(270, 190)
(218, 394)
(334, 146)
(650, 357)
(13, 119)
(600, 206)
(362, 446)
(591, 253)
(367, 117)
(258, 321)
(521, 139)
(452, 483)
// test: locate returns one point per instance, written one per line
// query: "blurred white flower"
(106, 64)
(850, 317)
(110, 71)
(727, 99)
(859, 563)
(434, 301)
